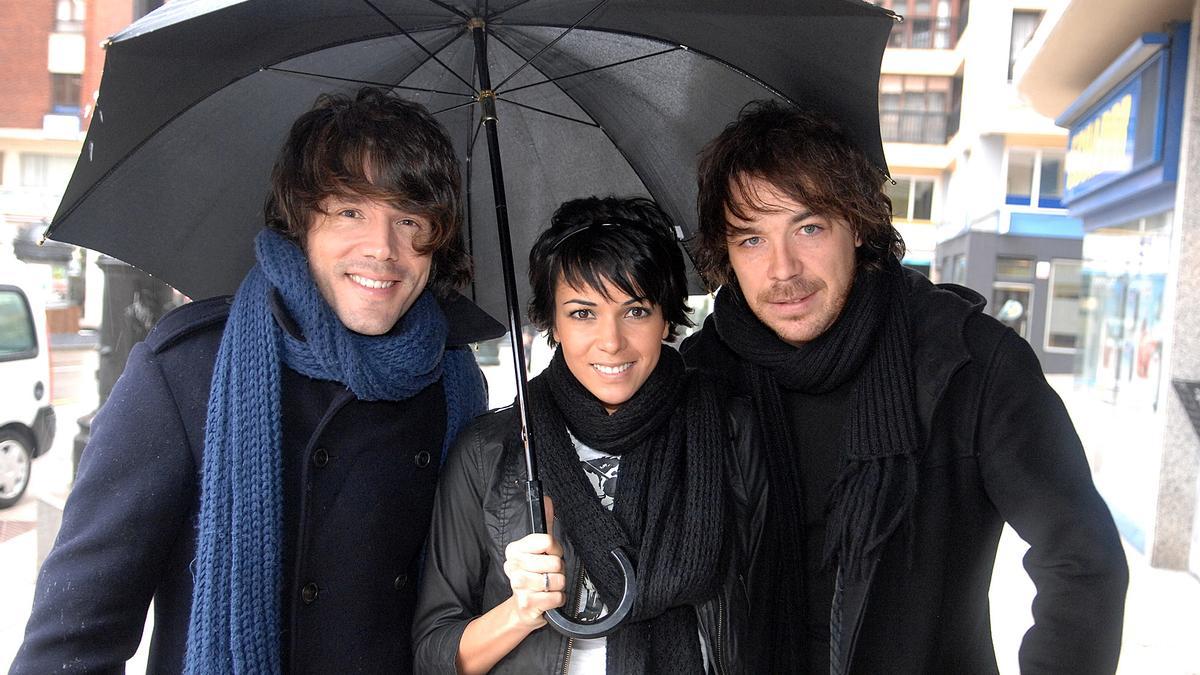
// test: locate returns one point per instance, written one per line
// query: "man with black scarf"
(903, 427)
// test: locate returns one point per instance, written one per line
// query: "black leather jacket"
(480, 509)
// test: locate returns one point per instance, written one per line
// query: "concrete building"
(1124, 78)
(978, 173)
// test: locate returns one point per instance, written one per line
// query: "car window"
(17, 339)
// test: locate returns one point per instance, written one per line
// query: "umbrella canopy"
(591, 96)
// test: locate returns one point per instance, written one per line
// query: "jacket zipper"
(571, 641)
(719, 654)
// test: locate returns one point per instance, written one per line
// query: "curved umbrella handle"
(574, 627)
(605, 624)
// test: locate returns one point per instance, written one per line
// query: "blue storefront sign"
(1124, 130)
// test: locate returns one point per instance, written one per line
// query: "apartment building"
(978, 174)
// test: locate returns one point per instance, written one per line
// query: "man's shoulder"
(202, 318)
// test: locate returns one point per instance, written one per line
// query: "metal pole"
(487, 102)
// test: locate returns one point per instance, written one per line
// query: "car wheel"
(16, 463)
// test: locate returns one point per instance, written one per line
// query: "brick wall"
(104, 18)
(25, 27)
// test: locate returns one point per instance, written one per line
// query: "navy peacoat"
(359, 480)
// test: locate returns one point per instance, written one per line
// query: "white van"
(26, 416)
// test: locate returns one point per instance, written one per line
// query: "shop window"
(1024, 24)
(928, 24)
(1011, 304)
(917, 109)
(912, 198)
(1012, 268)
(1063, 322)
(47, 171)
(1035, 178)
(64, 92)
(958, 270)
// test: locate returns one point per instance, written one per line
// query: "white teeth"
(370, 283)
(612, 370)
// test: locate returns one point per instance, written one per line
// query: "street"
(1162, 610)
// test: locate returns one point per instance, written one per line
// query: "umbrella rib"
(501, 12)
(370, 82)
(547, 112)
(622, 62)
(550, 44)
(456, 107)
(452, 10)
(419, 45)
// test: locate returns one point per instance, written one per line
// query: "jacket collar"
(467, 322)
(937, 316)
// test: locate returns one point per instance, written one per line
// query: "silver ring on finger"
(545, 581)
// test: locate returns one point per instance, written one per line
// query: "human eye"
(415, 223)
(348, 212)
(750, 242)
(639, 312)
(580, 314)
(810, 229)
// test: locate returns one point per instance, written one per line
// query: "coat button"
(421, 459)
(401, 581)
(320, 457)
(309, 593)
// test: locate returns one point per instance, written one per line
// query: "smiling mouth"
(370, 283)
(612, 370)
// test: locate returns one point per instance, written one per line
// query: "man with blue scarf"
(265, 468)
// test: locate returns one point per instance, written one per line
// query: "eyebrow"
(589, 303)
(732, 230)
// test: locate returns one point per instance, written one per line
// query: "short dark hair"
(808, 158)
(381, 147)
(628, 242)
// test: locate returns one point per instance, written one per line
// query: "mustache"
(792, 290)
(373, 268)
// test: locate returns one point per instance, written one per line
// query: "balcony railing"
(903, 126)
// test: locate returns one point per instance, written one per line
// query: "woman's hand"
(534, 565)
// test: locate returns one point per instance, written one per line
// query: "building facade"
(978, 174)
(1122, 77)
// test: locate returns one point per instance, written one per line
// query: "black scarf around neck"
(669, 513)
(868, 344)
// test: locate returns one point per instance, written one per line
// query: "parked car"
(26, 416)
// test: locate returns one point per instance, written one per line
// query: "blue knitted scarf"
(236, 615)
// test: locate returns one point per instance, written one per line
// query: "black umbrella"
(594, 96)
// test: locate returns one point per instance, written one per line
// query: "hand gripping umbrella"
(594, 96)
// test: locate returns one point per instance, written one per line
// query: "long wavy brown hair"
(804, 156)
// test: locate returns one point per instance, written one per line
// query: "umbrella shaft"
(487, 102)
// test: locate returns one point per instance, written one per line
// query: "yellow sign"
(1102, 146)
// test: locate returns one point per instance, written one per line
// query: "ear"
(666, 329)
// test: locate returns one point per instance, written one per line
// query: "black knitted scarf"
(873, 498)
(669, 513)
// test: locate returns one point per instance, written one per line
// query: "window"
(916, 109)
(1063, 322)
(1011, 304)
(958, 270)
(17, 339)
(48, 171)
(64, 92)
(928, 24)
(1035, 178)
(69, 16)
(912, 198)
(1011, 268)
(1024, 24)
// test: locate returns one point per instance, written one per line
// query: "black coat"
(481, 509)
(359, 483)
(1000, 447)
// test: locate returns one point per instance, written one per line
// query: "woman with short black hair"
(634, 450)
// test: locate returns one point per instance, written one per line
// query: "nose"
(611, 337)
(784, 263)
(380, 240)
